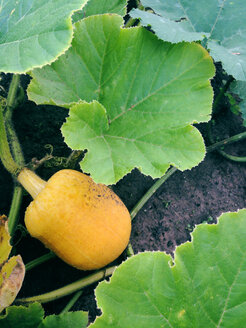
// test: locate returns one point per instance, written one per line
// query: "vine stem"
(72, 301)
(221, 94)
(237, 137)
(32, 264)
(69, 289)
(5, 153)
(14, 209)
(15, 151)
(151, 191)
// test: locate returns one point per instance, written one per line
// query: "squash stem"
(151, 191)
(5, 154)
(15, 149)
(72, 301)
(14, 209)
(39, 260)
(69, 289)
(31, 182)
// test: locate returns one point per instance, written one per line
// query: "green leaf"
(34, 33)
(204, 286)
(95, 7)
(223, 22)
(76, 319)
(22, 316)
(239, 88)
(32, 316)
(147, 93)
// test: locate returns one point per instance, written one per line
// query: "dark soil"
(167, 219)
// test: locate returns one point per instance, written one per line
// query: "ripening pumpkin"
(84, 223)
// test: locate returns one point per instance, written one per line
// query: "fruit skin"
(84, 223)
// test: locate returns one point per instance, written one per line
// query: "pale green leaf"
(95, 7)
(239, 88)
(222, 21)
(148, 92)
(22, 316)
(78, 319)
(204, 286)
(34, 33)
(32, 316)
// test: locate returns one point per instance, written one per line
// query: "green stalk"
(221, 94)
(237, 137)
(32, 264)
(71, 303)
(69, 289)
(14, 209)
(233, 158)
(5, 153)
(15, 150)
(218, 145)
(151, 191)
(11, 98)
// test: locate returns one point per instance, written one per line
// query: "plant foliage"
(133, 117)
(34, 33)
(221, 22)
(12, 271)
(95, 7)
(32, 316)
(203, 286)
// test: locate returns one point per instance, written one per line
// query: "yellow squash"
(84, 223)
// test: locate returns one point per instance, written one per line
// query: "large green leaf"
(32, 316)
(34, 33)
(95, 7)
(222, 21)
(147, 93)
(204, 286)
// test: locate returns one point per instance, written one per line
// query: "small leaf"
(22, 316)
(12, 271)
(34, 33)
(222, 22)
(95, 7)
(204, 286)
(78, 319)
(32, 316)
(147, 94)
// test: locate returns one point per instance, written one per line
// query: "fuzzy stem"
(14, 209)
(11, 98)
(151, 191)
(237, 137)
(11, 134)
(44, 258)
(5, 153)
(69, 289)
(233, 158)
(221, 94)
(71, 303)
(31, 182)
(16, 152)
